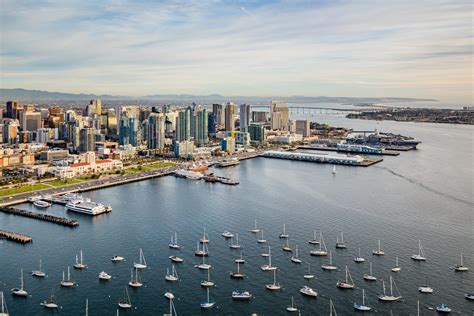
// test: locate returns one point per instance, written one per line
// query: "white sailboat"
(21, 290)
(369, 276)
(67, 282)
(359, 259)
(286, 247)
(50, 303)
(201, 252)
(348, 283)
(421, 253)
(238, 274)
(172, 309)
(273, 286)
(134, 279)
(3, 306)
(79, 263)
(362, 307)
(309, 276)
(208, 282)
(173, 276)
(241, 259)
(397, 268)
(461, 267)
(255, 229)
(426, 288)
(207, 304)
(284, 234)
(329, 266)
(296, 258)
(261, 240)
(38, 273)
(308, 291)
(205, 237)
(334, 169)
(340, 242)
(314, 241)
(203, 265)
(389, 298)
(379, 251)
(235, 245)
(174, 242)
(176, 259)
(141, 264)
(292, 308)
(125, 302)
(268, 267)
(322, 248)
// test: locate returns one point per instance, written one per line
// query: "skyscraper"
(183, 125)
(201, 135)
(257, 133)
(128, 130)
(303, 127)
(280, 116)
(94, 107)
(244, 117)
(229, 116)
(86, 139)
(156, 131)
(218, 110)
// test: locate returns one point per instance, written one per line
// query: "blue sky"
(335, 48)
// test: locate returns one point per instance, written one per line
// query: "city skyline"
(254, 48)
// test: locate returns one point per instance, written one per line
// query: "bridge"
(296, 109)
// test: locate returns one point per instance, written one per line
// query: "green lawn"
(23, 189)
(60, 183)
(149, 167)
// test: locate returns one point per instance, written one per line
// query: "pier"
(335, 159)
(352, 151)
(19, 238)
(43, 217)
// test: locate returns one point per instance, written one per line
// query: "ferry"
(89, 208)
(41, 204)
(228, 163)
(187, 174)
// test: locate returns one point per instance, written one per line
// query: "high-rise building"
(31, 121)
(244, 117)
(201, 133)
(280, 116)
(94, 107)
(259, 116)
(183, 149)
(303, 128)
(218, 110)
(128, 131)
(211, 123)
(10, 132)
(43, 135)
(229, 117)
(156, 131)
(183, 126)
(257, 133)
(86, 139)
(13, 110)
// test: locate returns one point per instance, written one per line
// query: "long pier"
(334, 149)
(22, 239)
(43, 217)
(357, 161)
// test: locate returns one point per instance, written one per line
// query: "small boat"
(41, 204)
(135, 279)
(169, 295)
(104, 276)
(241, 295)
(284, 234)
(268, 267)
(207, 304)
(306, 290)
(255, 229)
(359, 259)
(379, 251)
(421, 253)
(348, 283)
(469, 296)
(443, 308)
(461, 267)
(235, 245)
(174, 242)
(397, 268)
(203, 265)
(227, 234)
(309, 276)
(362, 307)
(322, 248)
(286, 247)
(329, 266)
(340, 242)
(240, 260)
(38, 273)
(125, 302)
(141, 264)
(50, 303)
(314, 241)
(296, 258)
(21, 290)
(292, 308)
(261, 240)
(67, 282)
(173, 276)
(425, 288)
(205, 237)
(79, 263)
(332, 308)
(117, 259)
(3, 306)
(273, 286)
(176, 259)
(389, 298)
(201, 252)
(238, 274)
(369, 276)
(208, 282)
(334, 170)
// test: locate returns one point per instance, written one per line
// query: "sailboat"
(134, 279)
(38, 273)
(207, 304)
(173, 276)
(421, 253)
(79, 263)
(49, 303)
(142, 262)
(425, 288)
(362, 307)
(296, 258)
(208, 282)
(67, 282)
(309, 276)
(286, 246)
(314, 241)
(389, 298)
(241, 259)
(169, 295)
(255, 229)
(334, 170)
(125, 302)
(176, 259)
(235, 245)
(3, 305)
(172, 310)
(203, 265)
(268, 267)
(292, 308)
(284, 234)
(20, 291)
(348, 283)
(461, 267)
(238, 274)
(308, 291)
(329, 266)
(397, 268)
(369, 276)
(340, 242)
(332, 308)
(261, 240)
(201, 252)
(379, 251)
(359, 259)
(322, 245)
(274, 286)
(205, 237)
(174, 242)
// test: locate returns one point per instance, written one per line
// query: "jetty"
(43, 217)
(351, 150)
(19, 238)
(336, 159)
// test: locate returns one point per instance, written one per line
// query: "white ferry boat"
(187, 174)
(86, 207)
(41, 204)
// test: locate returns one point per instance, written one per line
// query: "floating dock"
(19, 238)
(43, 217)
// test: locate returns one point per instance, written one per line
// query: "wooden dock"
(22, 239)
(43, 217)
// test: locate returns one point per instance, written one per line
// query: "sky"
(396, 48)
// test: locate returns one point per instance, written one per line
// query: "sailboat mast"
(363, 297)
(391, 287)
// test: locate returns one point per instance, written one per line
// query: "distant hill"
(38, 95)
